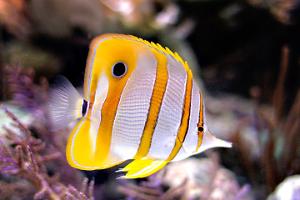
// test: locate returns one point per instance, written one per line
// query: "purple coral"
(28, 157)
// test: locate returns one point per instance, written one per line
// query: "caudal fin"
(210, 141)
(65, 104)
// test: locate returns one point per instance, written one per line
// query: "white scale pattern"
(170, 114)
(133, 108)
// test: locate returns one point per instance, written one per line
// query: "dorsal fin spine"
(165, 50)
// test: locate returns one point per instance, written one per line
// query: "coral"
(205, 179)
(25, 117)
(22, 89)
(27, 159)
(265, 136)
(189, 179)
(277, 137)
(288, 189)
(150, 189)
(33, 153)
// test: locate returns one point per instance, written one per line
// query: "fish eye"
(84, 107)
(119, 69)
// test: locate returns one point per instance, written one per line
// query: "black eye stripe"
(119, 69)
(84, 107)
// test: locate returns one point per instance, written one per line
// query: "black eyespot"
(84, 107)
(200, 129)
(119, 69)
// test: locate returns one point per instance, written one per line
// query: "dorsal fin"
(156, 46)
(165, 50)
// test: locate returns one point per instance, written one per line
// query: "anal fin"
(143, 167)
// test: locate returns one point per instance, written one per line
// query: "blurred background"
(246, 54)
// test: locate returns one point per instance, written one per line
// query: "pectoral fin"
(64, 105)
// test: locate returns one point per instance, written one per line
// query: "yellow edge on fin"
(165, 50)
(141, 168)
(156, 46)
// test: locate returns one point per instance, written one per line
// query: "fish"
(139, 103)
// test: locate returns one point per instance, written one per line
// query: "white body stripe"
(133, 108)
(170, 114)
(191, 139)
(90, 68)
(100, 96)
